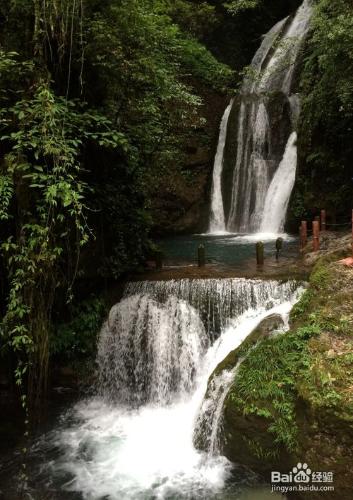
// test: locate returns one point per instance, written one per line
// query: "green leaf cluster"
(265, 384)
(326, 124)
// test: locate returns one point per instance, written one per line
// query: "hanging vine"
(45, 136)
(137, 63)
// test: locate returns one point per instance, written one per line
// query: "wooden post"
(279, 246)
(316, 236)
(201, 256)
(260, 253)
(304, 234)
(323, 220)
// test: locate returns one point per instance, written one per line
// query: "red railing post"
(316, 236)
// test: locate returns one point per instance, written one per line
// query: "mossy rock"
(237, 429)
(292, 398)
(247, 440)
(264, 329)
(267, 326)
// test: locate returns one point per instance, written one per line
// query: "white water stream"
(217, 220)
(278, 194)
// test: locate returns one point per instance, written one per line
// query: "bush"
(77, 338)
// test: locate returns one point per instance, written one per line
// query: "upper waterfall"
(267, 111)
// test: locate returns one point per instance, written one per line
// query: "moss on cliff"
(292, 398)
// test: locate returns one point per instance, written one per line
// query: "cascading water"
(150, 351)
(218, 302)
(209, 419)
(267, 113)
(217, 221)
(157, 350)
(280, 189)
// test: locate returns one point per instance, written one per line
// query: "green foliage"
(326, 123)
(240, 5)
(77, 338)
(280, 369)
(310, 306)
(144, 61)
(265, 384)
(320, 276)
(259, 452)
(6, 194)
(302, 306)
(197, 19)
(44, 135)
(96, 100)
(311, 364)
(203, 65)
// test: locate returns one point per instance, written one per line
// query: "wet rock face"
(230, 155)
(320, 446)
(180, 197)
(243, 434)
(281, 124)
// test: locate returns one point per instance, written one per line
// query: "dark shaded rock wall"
(181, 201)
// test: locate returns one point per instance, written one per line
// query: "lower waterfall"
(157, 349)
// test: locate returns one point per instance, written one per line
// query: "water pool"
(225, 249)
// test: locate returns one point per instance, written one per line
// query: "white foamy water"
(142, 448)
(263, 236)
